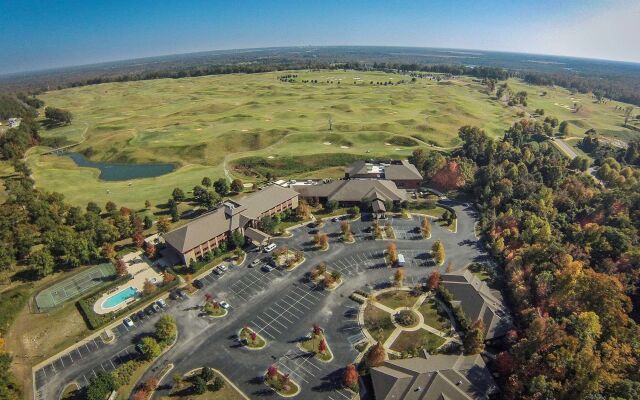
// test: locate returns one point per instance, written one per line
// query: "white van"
(401, 261)
(269, 248)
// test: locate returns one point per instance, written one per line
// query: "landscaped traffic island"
(281, 383)
(317, 344)
(288, 259)
(250, 339)
(213, 309)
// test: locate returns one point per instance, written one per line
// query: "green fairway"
(274, 126)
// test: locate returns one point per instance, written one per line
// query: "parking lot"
(86, 354)
(288, 310)
(303, 368)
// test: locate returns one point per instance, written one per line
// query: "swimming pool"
(120, 297)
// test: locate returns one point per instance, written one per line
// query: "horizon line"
(71, 66)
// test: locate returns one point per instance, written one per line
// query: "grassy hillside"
(198, 122)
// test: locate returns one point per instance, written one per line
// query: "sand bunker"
(327, 143)
(271, 157)
(344, 147)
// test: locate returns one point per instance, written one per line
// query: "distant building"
(205, 233)
(369, 192)
(438, 377)
(14, 122)
(479, 302)
(404, 174)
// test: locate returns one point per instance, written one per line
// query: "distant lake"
(122, 172)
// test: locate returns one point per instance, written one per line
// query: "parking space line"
(281, 315)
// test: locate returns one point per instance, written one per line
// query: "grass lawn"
(378, 323)
(290, 391)
(227, 392)
(322, 213)
(257, 344)
(397, 298)
(213, 311)
(312, 344)
(433, 317)
(426, 208)
(420, 339)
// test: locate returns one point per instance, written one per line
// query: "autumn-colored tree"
(434, 280)
(121, 267)
(505, 363)
(125, 212)
(150, 249)
(398, 277)
(316, 330)
(253, 336)
(151, 383)
(438, 252)
(163, 225)
(272, 372)
(449, 177)
(108, 251)
(345, 227)
(329, 280)
(392, 252)
(376, 355)
(425, 227)
(168, 278)
(350, 376)
(138, 239)
(303, 211)
(148, 287)
(140, 394)
(322, 346)
(474, 338)
(449, 267)
(321, 240)
(188, 278)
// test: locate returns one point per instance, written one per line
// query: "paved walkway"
(448, 337)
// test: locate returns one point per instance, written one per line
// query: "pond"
(122, 172)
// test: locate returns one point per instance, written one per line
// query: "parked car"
(269, 248)
(181, 293)
(149, 310)
(161, 303)
(156, 307)
(218, 271)
(134, 317)
(198, 284)
(127, 322)
(223, 268)
(224, 305)
(174, 295)
(335, 219)
(267, 268)
(255, 262)
(141, 315)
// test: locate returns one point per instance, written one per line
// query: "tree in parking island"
(425, 227)
(398, 277)
(438, 252)
(433, 282)
(166, 329)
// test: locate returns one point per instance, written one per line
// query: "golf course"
(293, 124)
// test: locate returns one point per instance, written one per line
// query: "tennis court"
(74, 286)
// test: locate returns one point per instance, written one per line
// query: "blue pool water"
(120, 297)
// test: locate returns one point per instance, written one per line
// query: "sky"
(42, 34)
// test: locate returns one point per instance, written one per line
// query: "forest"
(570, 259)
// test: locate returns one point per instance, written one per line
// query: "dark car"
(174, 295)
(198, 284)
(313, 231)
(141, 314)
(149, 310)
(181, 293)
(134, 317)
(267, 268)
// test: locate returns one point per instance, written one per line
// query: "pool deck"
(140, 271)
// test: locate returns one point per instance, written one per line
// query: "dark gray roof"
(354, 190)
(231, 216)
(478, 301)
(440, 376)
(403, 171)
